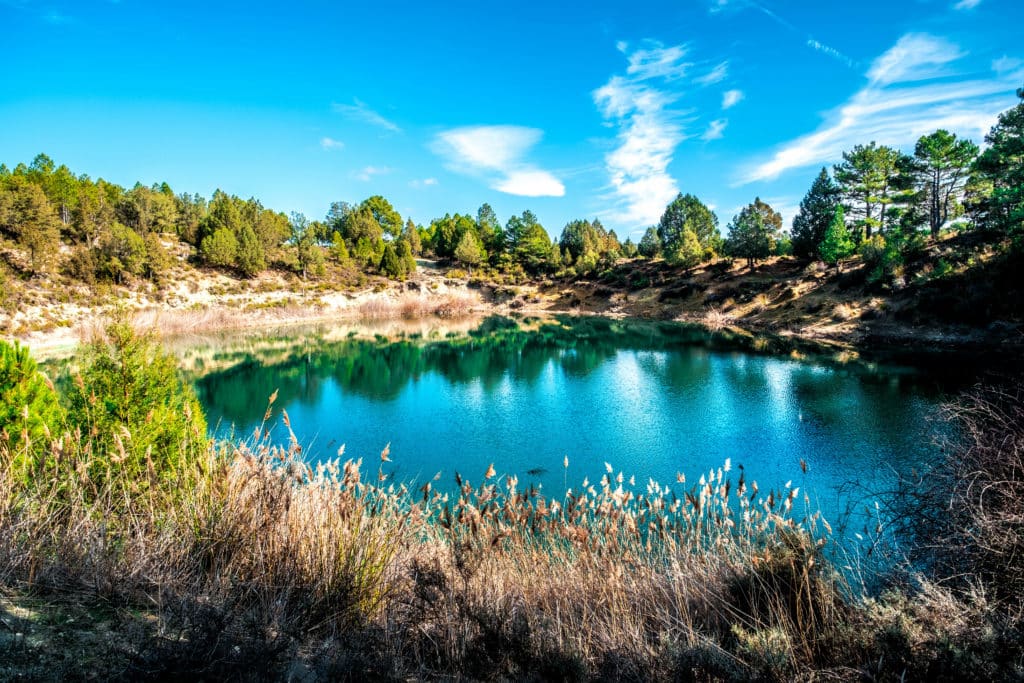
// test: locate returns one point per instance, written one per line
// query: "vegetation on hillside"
(94, 231)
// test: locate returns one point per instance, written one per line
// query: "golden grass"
(412, 306)
(268, 561)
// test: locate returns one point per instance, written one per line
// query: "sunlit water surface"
(652, 399)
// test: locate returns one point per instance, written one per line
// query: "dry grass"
(845, 312)
(717, 319)
(268, 564)
(413, 306)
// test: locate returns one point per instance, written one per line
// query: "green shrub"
(141, 421)
(29, 409)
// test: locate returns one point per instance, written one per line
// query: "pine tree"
(390, 265)
(469, 250)
(816, 211)
(688, 252)
(837, 243)
(250, 258)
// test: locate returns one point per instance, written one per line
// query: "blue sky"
(603, 109)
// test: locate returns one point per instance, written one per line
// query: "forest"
(877, 202)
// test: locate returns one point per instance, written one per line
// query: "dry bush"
(717, 319)
(966, 515)
(844, 312)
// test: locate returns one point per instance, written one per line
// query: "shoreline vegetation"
(134, 549)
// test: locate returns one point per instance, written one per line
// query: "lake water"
(652, 399)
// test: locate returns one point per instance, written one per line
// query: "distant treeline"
(878, 201)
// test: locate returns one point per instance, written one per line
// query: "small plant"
(30, 413)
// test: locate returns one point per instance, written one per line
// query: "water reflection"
(653, 398)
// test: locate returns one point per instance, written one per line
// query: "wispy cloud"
(730, 98)
(907, 95)
(715, 130)
(424, 182)
(1006, 64)
(830, 51)
(653, 60)
(368, 173)
(716, 75)
(967, 4)
(498, 153)
(914, 57)
(331, 144)
(358, 111)
(648, 134)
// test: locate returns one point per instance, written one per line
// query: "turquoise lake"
(652, 399)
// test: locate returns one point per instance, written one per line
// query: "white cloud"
(967, 4)
(497, 152)
(715, 130)
(715, 75)
(830, 51)
(1006, 64)
(905, 98)
(360, 112)
(425, 182)
(531, 184)
(730, 98)
(915, 57)
(331, 144)
(648, 136)
(368, 172)
(654, 60)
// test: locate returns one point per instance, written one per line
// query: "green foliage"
(754, 232)
(629, 249)
(27, 215)
(469, 251)
(139, 417)
(941, 168)
(871, 182)
(339, 249)
(412, 236)
(1001, 167)
(650, 244)
(686, 212)
(30, 413)
(122, 252)
(405, 256)
(837, 243)
(687, 253)
(220, 248)
(157, 261)
(384, 214)
(390, 265)
(816, 211)
(250, 258)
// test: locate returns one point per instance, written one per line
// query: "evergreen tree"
(390, 265)
(687, 253)
(339, 249)
(29, 411)
(219, 248)
(650, 244)
(405, 256)
(686, 212)
(837, 243)
(411, 235)
(754, 232)
(868, 178)
(469, 251)
(1001, 168)
(941, 171)
(250, 258)
(816, 211)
